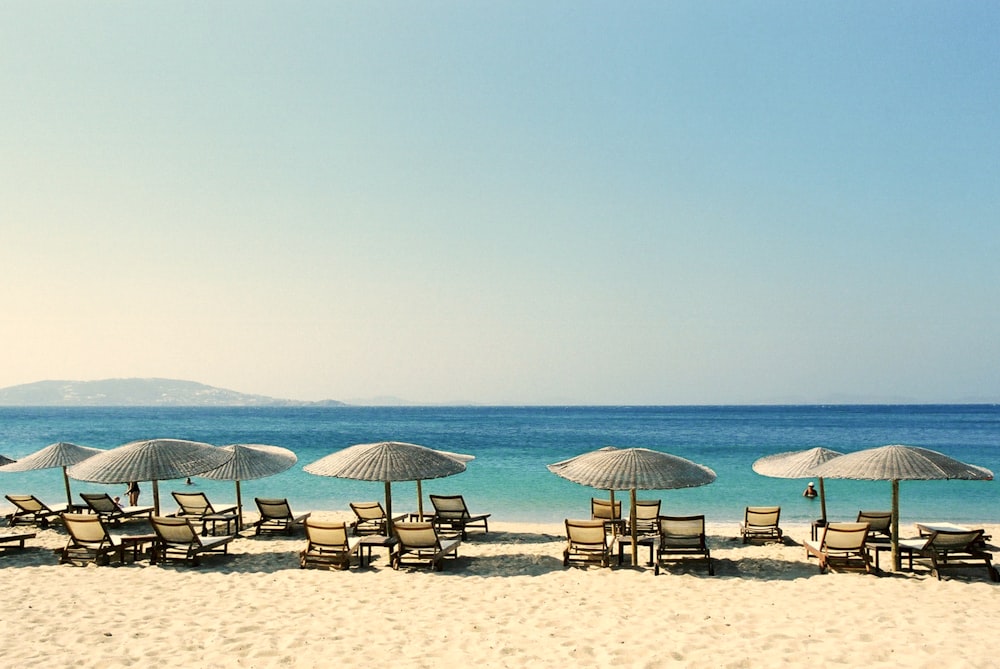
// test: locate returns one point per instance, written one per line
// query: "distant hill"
(137, 392)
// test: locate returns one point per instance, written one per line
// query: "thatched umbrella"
(251, 461)
(151, 460)
(797, 465)
(60, 454)
(898, 463)
(632, 469)
(389, 461)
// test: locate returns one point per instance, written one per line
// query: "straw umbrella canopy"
(389, 461)
(633, 469)
(797, 465)
(60, 454)
(249, 462)
(151, 460)
(899, 463)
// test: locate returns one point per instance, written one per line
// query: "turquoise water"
(512, 445)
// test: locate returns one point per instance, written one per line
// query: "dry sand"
(506, 602)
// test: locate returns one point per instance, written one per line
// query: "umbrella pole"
(156, 497)
(239, 508)
(69, 495)
(635, 532)
(895, 525)
(420, 501)
(822, 500)
(388, 509)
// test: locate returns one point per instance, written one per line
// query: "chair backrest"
(416, 534)
(86, 528)
(100, 502)
(647, 509)
(273, 509)
(946, 540)
(193, 503)
(27, 503)
(601, 508)
(174, 530)
(762, 516)
(879, 522)
(368, 510)
(845, 536)
(450, 506)
(327, 535)
(586, 533)
(682, 530)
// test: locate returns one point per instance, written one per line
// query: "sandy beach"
(506, 602)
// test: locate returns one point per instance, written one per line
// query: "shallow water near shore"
(512, 445)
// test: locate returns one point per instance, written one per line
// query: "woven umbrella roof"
(252, 461)
(388, 461)
(794, 464)
(901, 463)
(60, 454)
(150, 460)
(632, 468)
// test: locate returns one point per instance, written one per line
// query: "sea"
(512, 446)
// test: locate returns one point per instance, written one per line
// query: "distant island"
(138, 392)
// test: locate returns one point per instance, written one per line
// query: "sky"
(565, 202)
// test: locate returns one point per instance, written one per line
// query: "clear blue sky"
(510, 203)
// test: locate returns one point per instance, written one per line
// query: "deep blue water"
(512, 445)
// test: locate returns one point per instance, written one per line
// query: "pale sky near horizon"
(505, 203)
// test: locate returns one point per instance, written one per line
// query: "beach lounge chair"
(682, 538)
(370, 518)
(841, 546)
(105, 507)
(32, 511)
(176, 539)
(419, 543)
(761, 522)
(879, 525)
(328, 546)
(951, 550)
(451, 510)
(18, 537)
(600, 509)
(277, 516)
(647, 511)
(195, 505)
(89, 541)
(587, 543)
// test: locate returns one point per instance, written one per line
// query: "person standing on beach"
(133, 493)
